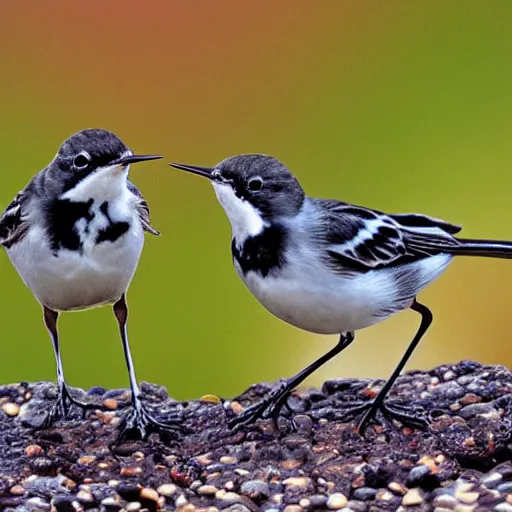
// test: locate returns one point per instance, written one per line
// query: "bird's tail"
(487, 248)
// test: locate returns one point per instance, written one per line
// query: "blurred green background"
(402, 106)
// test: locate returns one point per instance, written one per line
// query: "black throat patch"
(63, 216)
(114, 230)
(263, 253)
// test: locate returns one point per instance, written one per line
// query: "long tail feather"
(487, 248)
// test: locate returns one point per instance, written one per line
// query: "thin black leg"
(378, 403)
(271, 405)
(139, 421)
(64, 398)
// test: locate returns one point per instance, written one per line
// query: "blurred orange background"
(401, 106)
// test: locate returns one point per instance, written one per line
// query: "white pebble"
(336, 501)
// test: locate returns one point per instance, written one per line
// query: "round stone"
(336, 501)
(11, 409)
(167, 489)
(148, 494)
(255, 489)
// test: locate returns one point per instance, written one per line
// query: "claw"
(269, 407)
(60, 407)
(139, 423)
(408, 416)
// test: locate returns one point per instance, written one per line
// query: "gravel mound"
(313, 460)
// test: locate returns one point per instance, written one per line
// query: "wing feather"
(13, 224)
(360, 238)
(143, 210)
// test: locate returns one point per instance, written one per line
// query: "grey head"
(260, 180)
(86, 152)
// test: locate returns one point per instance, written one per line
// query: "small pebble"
(364, 493)
(167, 489)
(293, 508)
(147, 493)
(236, 407)
(110, 403)
(449, 375)
(297, 481)
(413, 497)
(336, 501)
(226, 459)
(384, 495)
(181, 501)
(205, 459)
(255, 489)
(397, 488)
(303, 423)
(17, 490)
(505, 487)
(207, 490)
(138, 456)
(86, 460)
(11, 409)
(34, 450)
(84, 496)
(466, 497)
(37, 504)
(470, 398)
(110, 501)
(355, 506)
(417, 475)
(130, 471)
(230, 497)
(210, 399)
(446, 501)
(503, 507)
(133, 506)
(277, 499)
(318, 500)
(492, 480)
(476, 409)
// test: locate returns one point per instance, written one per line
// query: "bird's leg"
(64, 399)
(408, 415)
(139, 422)
(272, 404)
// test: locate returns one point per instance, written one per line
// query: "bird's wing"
(13, 222)
(143, 210)
(359, 238)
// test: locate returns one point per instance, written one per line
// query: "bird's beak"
(133, 159)
(206, 172)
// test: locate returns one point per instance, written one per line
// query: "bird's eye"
(255, 184)
(82, 160)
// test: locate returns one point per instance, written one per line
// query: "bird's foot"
(409, 416)
(61, 406)
(139, 423)
(268, 408)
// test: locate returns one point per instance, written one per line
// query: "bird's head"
(92, 158)
(253, 189)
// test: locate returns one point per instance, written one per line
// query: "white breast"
(99, 274)
(306, 294)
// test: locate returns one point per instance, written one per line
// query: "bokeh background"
(402, 106)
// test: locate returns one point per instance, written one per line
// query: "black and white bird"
(75, 235)
(330, 267)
